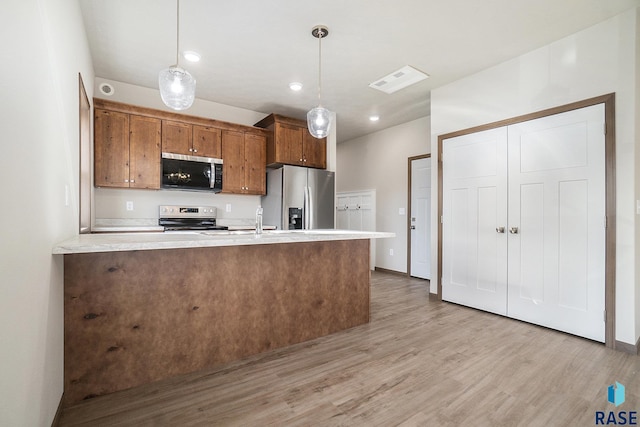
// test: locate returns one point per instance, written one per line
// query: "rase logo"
(615, 395)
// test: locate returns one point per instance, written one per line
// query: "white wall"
(596, 61)
(111, 203)
(379, 161)
(44, 49)
(637, 162)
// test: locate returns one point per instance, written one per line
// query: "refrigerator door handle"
(305, 214)
(311, 220)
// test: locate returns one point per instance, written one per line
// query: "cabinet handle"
(413, 227)
(191, 149)
(513, 230)
(132, 181)
(195, 151)
(500, 230)
(126, 180)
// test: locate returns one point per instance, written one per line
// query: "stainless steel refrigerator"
(299, 198)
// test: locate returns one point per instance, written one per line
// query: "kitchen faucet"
(259, 220)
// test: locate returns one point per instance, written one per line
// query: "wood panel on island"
(290, 143)
(143, 317)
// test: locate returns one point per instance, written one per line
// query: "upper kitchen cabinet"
(244, 156)
(129, 141)
(127, 150)
(194, 140)
(291, 143)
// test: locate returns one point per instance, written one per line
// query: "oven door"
(180, 172)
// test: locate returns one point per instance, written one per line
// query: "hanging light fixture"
(319, 118)
(177, 86)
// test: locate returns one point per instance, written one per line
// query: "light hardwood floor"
(418, 363)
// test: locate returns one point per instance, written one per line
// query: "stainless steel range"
(189, 218)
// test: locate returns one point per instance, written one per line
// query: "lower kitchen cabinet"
(127, 150)
(244, 156)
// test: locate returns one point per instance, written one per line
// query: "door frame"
(410, 159)
(85, 160)
(610, 194)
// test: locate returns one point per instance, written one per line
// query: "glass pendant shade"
(177, 87)
(319, 122)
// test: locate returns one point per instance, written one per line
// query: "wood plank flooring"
(419, 362)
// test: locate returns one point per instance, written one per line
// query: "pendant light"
(177, 86)
(319, 118)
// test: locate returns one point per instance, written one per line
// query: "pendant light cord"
(177, 33)
(320, 34)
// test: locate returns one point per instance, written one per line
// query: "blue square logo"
(615, 394)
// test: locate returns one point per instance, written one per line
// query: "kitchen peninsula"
(140, 307)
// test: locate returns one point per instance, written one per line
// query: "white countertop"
(119, 242)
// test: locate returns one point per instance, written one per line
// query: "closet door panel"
(474, 220)
(557, 202)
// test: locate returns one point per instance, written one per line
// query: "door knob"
(513, 230)
(500, 230)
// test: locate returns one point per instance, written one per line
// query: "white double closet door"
(524, 221)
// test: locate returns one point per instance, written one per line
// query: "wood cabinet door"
(144, 152)
(176, 137)
(255, 151)
(315, 151)
(233, 157)
(207, 141)
(111, 149)
(288, 144)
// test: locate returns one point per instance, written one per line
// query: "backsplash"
(112, 203)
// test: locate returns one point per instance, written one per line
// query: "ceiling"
(252, 49)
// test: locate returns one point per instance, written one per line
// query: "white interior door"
(557, 202)
(421, 218)
(474, 220)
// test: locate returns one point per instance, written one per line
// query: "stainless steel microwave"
(182, 172)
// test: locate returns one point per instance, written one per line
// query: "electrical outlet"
(228, 207)
(129, 206)
(391, 252)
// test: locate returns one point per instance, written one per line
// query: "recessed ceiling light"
(295, 86)
(191, 56)
(374, 118)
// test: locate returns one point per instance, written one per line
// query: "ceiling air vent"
(106, 89)
(404, 77)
